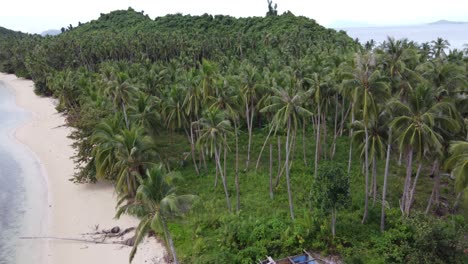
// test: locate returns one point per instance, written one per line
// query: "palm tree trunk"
(169, 241)
(351, 140)
(304, 142)
(217, 170)
(384, 190)
(374, 178)
(225, 157)
(127, 125)
(317, 142)
(435, 190)
(288, 182)
(263, 147)
(335, 129)
(333, 222)
(366, 171)
(249, 119)
(409, 171)
(324, 140)
(413, 190)
(223, 177)
(271, 171)
(279, 160)
(237, 168)
(192, 149)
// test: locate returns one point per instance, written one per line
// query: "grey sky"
(38, 15)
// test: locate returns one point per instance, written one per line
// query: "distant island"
(447, 22)
(51, 32)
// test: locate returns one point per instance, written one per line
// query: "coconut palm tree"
(213, 126)
(155, 203)
(458, 163)
(134, 152)
(368, 90)
(416, 127)
(287, 104)
(120, 89)
(250, 83)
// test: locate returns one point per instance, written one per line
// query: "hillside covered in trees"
(237, 138)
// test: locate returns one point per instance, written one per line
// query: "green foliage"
(141, 91)
(330, 189)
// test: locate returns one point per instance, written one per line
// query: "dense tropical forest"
(238, 138)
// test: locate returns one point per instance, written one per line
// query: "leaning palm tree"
(287, 104)
(416, 127)
(156, 201)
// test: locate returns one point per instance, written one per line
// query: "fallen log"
(127, 242)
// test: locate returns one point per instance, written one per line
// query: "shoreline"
(72, 209)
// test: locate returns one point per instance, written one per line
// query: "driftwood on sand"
(98, 237)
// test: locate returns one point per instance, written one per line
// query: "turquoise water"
(23, 196)
(456, 34)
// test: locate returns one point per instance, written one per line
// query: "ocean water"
(456, 34)
(23, 196)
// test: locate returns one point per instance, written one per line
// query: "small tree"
(330, 190)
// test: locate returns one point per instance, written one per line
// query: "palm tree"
(458, 163)
(134, 152)
(416, 127)
(104, 151)
(250, 80)
(120, 90)
(287, 104)
(439, 46)
(369, 89)
(213, 127)
(156, 201)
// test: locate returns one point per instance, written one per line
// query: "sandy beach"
(73, 209)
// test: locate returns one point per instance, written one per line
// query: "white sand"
(73, 208)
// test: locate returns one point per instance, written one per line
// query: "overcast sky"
(35, 16)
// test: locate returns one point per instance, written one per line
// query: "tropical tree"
(369, 89)
(458, 163)
(287, 104)
(416, 127)
(213, 128)
(155, 203)
(330, 190)
(120, 89)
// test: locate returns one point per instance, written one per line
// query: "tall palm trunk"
(249, 118)
(288, 182)
(366, 171)
(435, 190)
(409, 171)
(413, 190)
(384, 191)
(127, 124)
(317, 142)
(237, 167)
(374, 178)
(324, 140)
(223, 177)
(192, 148)
(304, 141)
(335, 129)
(169, 241)
(263, 147)
(333, 222)
(351, 140)
(271, 171)
(279, 160)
